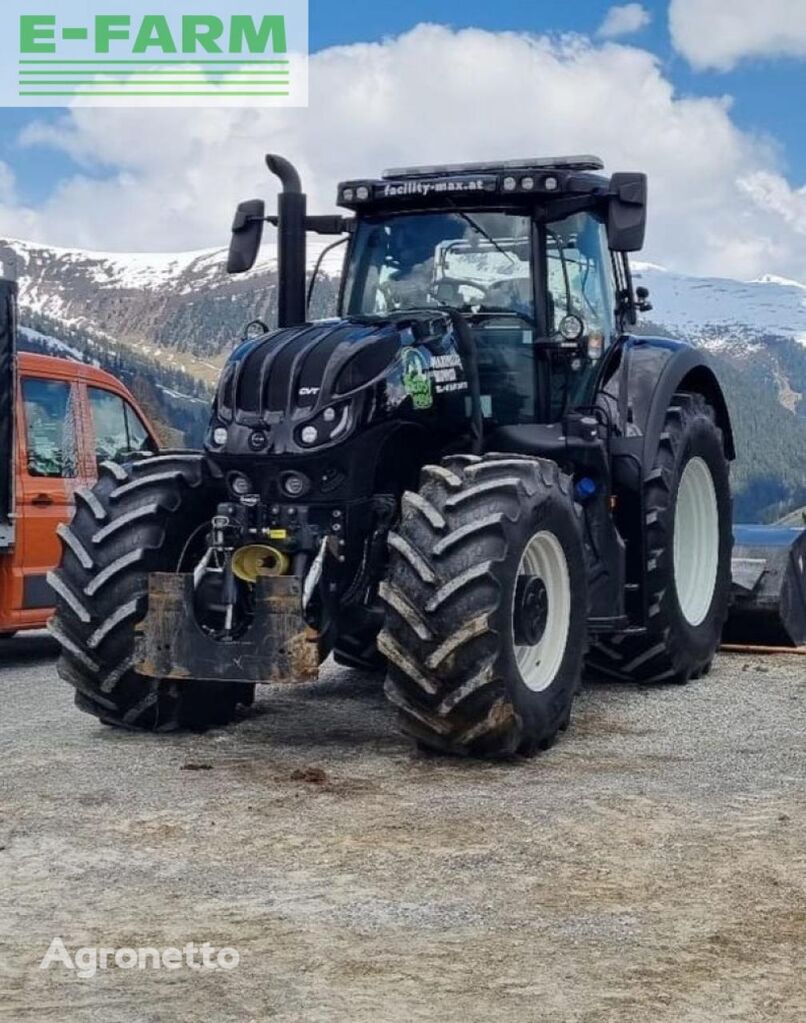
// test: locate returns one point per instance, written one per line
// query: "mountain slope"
(165, 322)
(183, 309)
(772, 306)
(756, 334)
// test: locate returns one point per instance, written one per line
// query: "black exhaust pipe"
(291, 225)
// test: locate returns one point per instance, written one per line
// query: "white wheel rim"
(544, 558)
(696, 541)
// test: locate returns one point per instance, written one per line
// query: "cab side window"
(119, 431)
(579, 281)
(50, 408)
(580, 297)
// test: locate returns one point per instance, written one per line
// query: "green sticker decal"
(417, 379)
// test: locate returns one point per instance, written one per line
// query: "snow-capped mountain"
(166, 322)
(181, 309)
(767, 306)
(755, 332)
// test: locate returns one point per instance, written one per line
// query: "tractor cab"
(530, 253)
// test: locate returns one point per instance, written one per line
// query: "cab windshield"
(476, 262)
(533, 364)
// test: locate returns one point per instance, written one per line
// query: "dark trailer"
(8, 320)
(769, 587)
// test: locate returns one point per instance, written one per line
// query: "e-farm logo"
(164, 53)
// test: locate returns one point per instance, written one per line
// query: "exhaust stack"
(291, 225)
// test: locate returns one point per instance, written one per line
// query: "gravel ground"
(649, 868)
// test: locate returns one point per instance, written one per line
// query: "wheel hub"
(541, 611)
(531, 610)
(696, 541)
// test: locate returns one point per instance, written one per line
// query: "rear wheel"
(359, 652)
(689, 540)
(486, 599)
(139, 519)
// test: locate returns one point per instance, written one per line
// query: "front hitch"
(277, 645)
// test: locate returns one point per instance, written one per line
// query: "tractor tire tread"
(444, 676)
(127, 526)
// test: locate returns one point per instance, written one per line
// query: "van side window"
(50, 408)
(119, 431)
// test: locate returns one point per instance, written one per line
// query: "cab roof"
(504, 182)
(496, 167)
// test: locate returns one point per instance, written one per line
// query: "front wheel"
(486, 599)
(687, 504)
(139, 518)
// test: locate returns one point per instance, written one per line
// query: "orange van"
(58, 421)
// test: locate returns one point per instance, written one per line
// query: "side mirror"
(626, 214)
(642, 303)
(247, 234)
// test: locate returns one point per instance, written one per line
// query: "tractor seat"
(541, 440)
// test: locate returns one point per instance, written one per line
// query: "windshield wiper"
(484, 234)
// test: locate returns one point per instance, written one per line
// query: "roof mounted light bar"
(571, 163)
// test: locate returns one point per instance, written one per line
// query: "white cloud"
(428, 96)
(774, 194)
(7, 184)
(720, 33)
(624, 20)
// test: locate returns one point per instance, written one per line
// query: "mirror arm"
(627, 296)
(320, 225)
(329, 225)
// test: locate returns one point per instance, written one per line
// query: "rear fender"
(655, 370)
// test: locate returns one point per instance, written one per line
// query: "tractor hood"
(306, 388)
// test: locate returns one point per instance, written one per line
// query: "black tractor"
(475, 479)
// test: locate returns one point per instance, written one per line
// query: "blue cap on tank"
(585, 489)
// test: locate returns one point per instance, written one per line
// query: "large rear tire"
(689, 541)
(136, 520)
(486, 599)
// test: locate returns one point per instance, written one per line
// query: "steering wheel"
(454, 283)
(402, 294)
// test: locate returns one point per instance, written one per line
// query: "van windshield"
(476, 262)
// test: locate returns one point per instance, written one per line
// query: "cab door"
(50, 469)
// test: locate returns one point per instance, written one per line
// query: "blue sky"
(706, 96)
(768, 95)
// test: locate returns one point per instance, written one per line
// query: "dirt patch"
(651, 867)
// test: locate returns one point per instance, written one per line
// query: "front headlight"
(328, 426)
